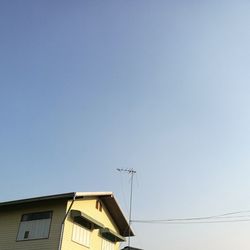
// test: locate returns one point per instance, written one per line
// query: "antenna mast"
(130, 171)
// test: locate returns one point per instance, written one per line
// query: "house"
(131, 248)
(69, 221)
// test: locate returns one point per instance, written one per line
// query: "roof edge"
(91, 194)
(40, 198)
(56, 196)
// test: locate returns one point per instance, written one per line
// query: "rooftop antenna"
(131, 172)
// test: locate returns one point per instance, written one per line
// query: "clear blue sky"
(88, 86)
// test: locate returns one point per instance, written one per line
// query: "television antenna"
(131, 172)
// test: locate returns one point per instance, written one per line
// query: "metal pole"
(130, 206)
(131, 172)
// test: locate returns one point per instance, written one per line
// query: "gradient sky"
(88, 86)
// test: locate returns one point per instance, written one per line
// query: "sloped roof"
(107, 198)
(131, 248)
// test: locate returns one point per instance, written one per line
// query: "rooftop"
(107, 198)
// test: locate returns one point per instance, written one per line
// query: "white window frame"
(107, 244)
(81, 235)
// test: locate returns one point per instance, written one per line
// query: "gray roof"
(131, 248)
(107, 198)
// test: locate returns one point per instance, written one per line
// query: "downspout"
(63, 222)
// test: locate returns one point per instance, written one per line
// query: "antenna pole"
(130, 171)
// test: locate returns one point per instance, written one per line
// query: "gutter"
(63, 222)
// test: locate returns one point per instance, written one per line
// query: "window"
(81, 235)
(107, 245)
(34, 226)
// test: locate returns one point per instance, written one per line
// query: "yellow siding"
(87, 206)
(10, 220)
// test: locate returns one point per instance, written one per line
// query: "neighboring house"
(131, 248)
(70, 221)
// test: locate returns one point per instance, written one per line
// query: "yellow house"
(69, 221)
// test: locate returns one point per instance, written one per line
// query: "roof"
(131, 248)
(107, 198)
